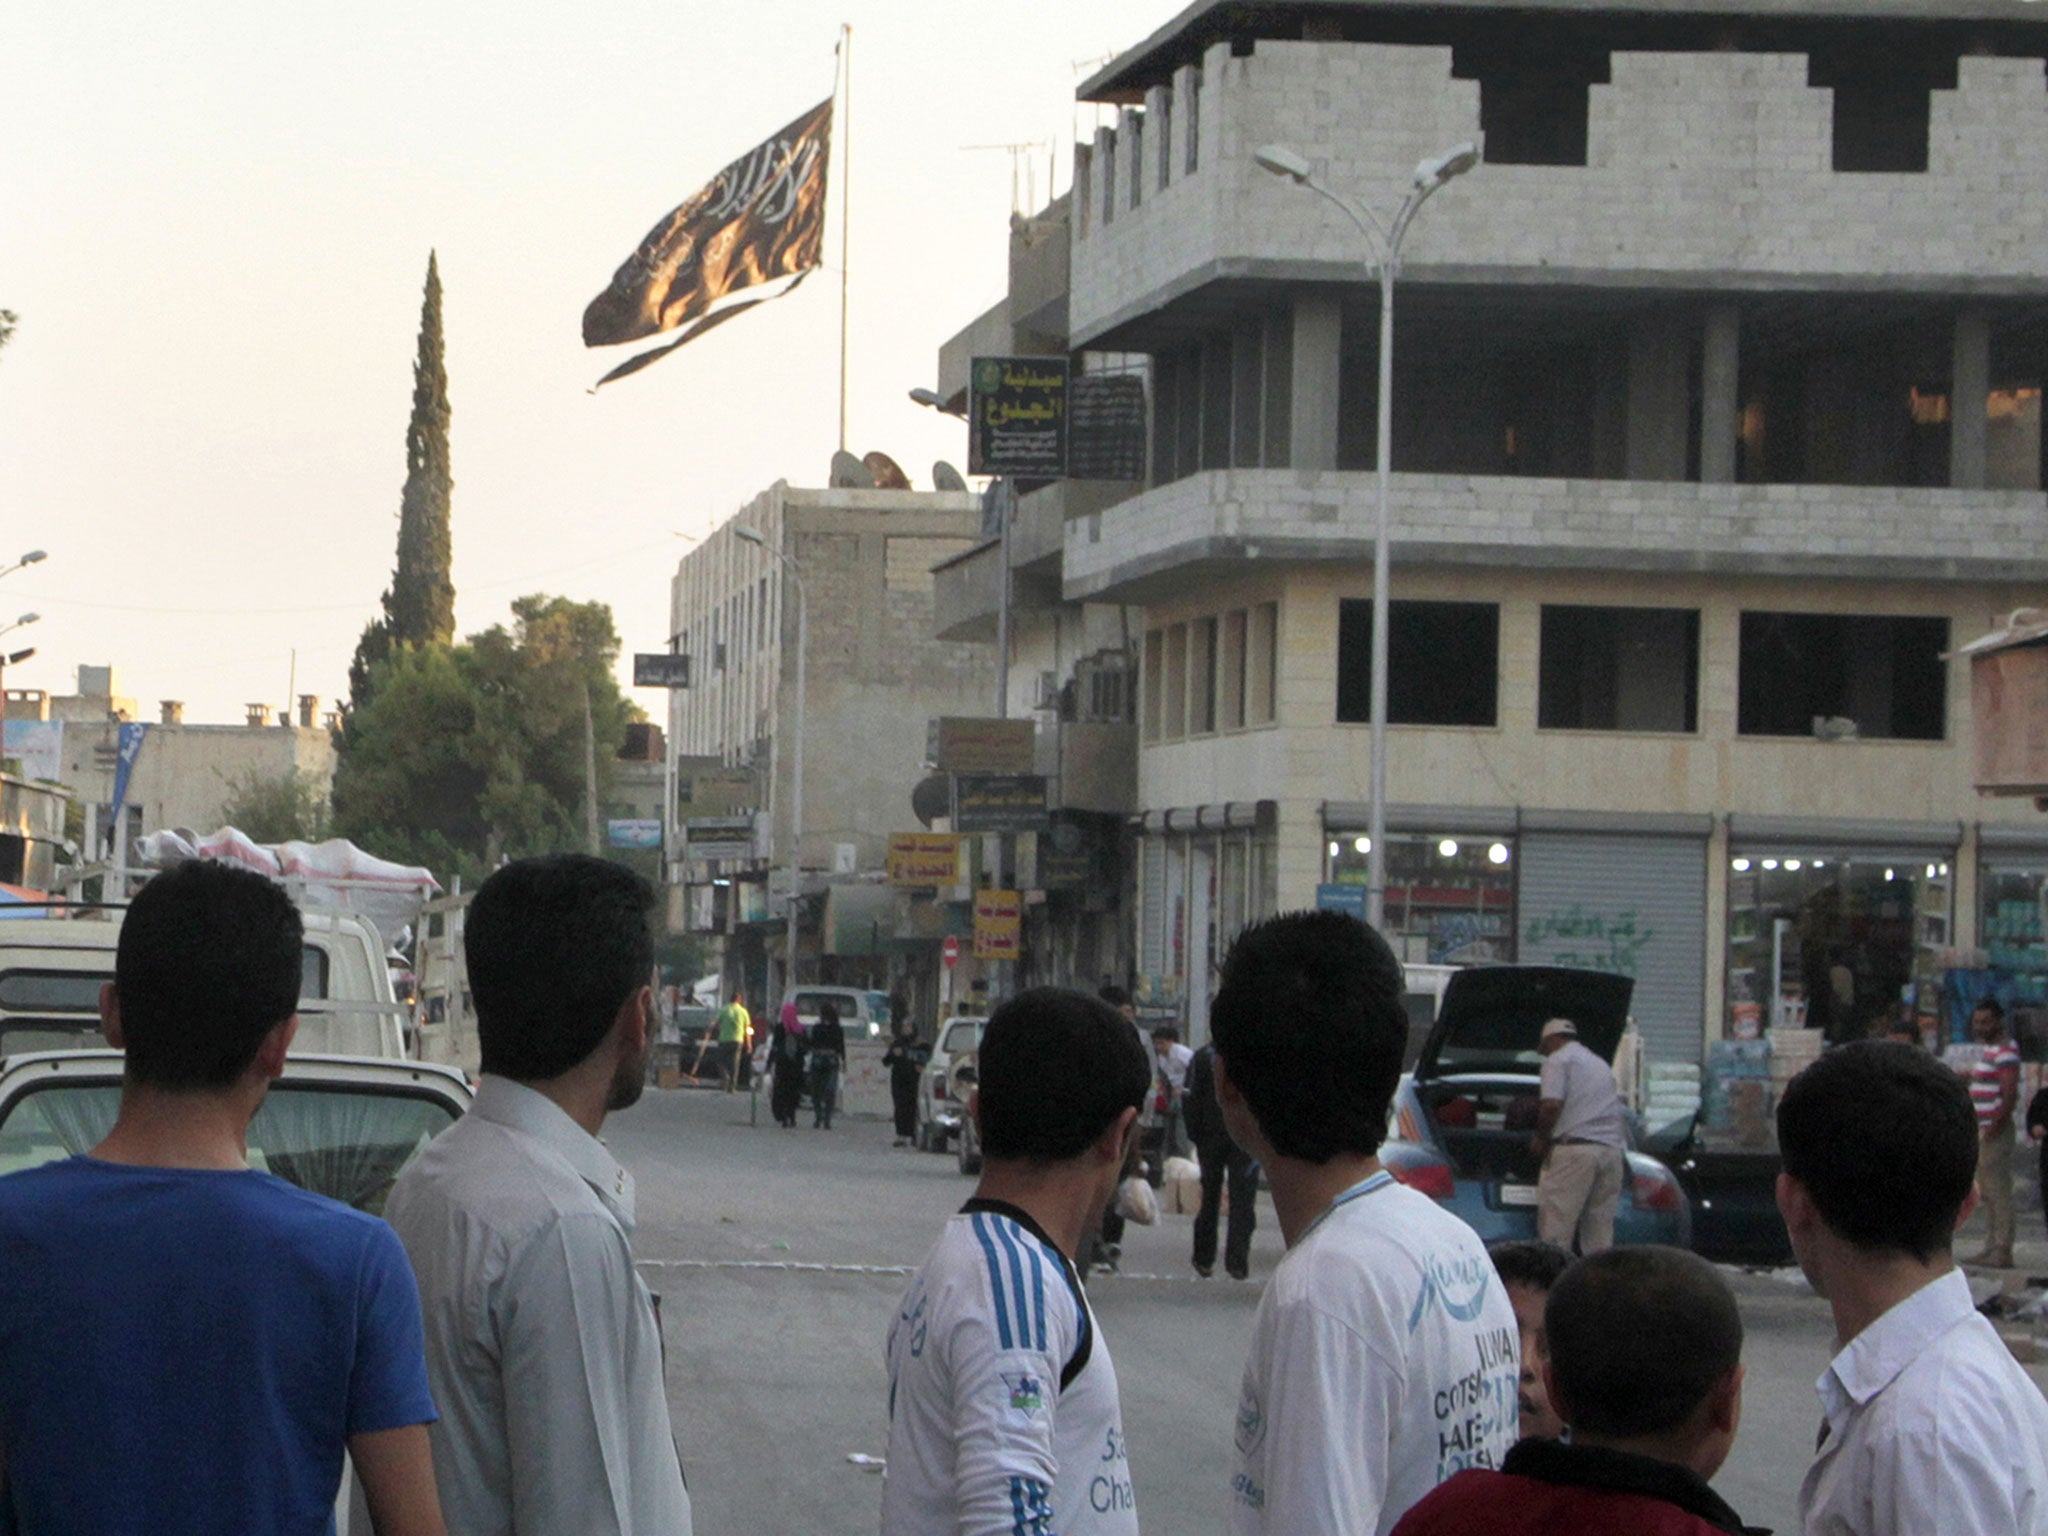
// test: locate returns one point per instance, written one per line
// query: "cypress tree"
(419, 608)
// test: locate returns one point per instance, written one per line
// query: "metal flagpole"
(845, 201)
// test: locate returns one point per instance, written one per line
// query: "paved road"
(780, 1255)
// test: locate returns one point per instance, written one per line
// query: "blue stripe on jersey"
(1037, 1289)
(995, 1279)
(1030, 1507)
(1013, 1250)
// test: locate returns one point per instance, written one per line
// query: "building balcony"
(1159, 544)
(965, 590)
(1701, 171)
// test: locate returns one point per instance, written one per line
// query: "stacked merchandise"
(1792, 1052)
(1672, 1095)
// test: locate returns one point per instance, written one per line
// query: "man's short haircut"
(1114, 995)
(208, 963)
(1533, 1263)
(1990, 1005)
(1165, 1032)
(1638, 1337)
(1884, 1139)
(1056, 1069)
(556, 945)
(1310, 1025)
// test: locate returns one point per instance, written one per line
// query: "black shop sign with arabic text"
(1019, 422)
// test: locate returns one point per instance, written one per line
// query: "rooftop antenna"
(1023, 172)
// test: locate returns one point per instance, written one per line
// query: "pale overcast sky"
(214, 224)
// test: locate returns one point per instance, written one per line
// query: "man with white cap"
(1582, 1138)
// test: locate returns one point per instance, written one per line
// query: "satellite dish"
(946, 478)
(888, 474)
(849, 474)
(932, 797)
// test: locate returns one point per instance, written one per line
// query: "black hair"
(828, 1012)
(1165, 1032)
(1309, 1022)
(1114, 995)
(1056, 1069)
(1884, 1139)
(1530, 1262)
(1638, 1337)
(1990, 1005)
(556, 945)
(208, 963)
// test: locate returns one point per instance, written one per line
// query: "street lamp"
(754, 536)
(1004, 491)
(28, 559)
(1383, 240)
(25, 619)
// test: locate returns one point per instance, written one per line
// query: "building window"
(1443, 663)
(1201, 677)
(2009, 924)
(1230, 672)
(1261, 663)
(1175, 722)
(1533, 97)
(1835, 675)
(1450, 896)
(1155, 680)
(1882, 106)
(1833, 940)
(1618, 669)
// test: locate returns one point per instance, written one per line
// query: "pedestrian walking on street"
(1171, 1066)
(1383, 1354)
(1221, 1159)
(827, 1042)
(187, 1346)
(1995, 1093)
(2037, 1132)
(905, 1060)
(1582, 1139)
(735, 1038)
(1107, 1247)
(1928, 1423)
(1004, 1414)
(1646, 1364)
(785, 1068)
(543, 1342)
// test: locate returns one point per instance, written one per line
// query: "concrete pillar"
(1659, 398)
(1720, 399)
(1318, 334)
(1969, 389)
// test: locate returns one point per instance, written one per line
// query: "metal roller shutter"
(1152, 906)
(1631, 904)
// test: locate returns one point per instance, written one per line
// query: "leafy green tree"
(419, 609)
(278, 807)
(470, 753)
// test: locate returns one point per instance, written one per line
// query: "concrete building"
(874, 677)
(1717, 424)
(184, 774)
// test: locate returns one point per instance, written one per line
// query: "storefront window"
(1450, 896)
(1839, 942)
(2009, 926)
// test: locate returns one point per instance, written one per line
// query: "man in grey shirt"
(542, 1344)
(1582, 1138)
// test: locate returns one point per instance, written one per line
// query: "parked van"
(51, 969)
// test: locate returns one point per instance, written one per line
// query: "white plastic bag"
(1136, 1202)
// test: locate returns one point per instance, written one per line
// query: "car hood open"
(1492, 1017)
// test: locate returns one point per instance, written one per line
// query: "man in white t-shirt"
(1927, 1422)
(1004, 1418)
(1384, 1357)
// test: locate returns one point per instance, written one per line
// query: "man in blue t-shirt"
(187, 1345)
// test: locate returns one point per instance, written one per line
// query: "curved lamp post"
(1383, 241)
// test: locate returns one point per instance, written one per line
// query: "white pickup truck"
(51, 969)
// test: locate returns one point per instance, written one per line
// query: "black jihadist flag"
(760, 220)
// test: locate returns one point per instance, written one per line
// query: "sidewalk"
(2030, 1231)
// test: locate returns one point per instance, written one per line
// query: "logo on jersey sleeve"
(1026, 1393)
(1251, 1422)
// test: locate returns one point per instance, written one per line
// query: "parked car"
(1734, 1195)
(941, 1104)
(1461, 1121)
(345, 1127)
(51, 969)
(967, 1144)
(863, 1015)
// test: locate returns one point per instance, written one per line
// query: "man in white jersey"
(1003, 1410)
(1384, 1357)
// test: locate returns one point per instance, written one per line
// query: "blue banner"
(130, 744)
